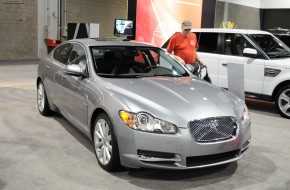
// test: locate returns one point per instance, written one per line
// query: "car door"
(72, 89)
(208, 53)
(233, 46)
(56, 63)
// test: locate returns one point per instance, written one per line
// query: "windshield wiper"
(120, 75)
(166, 75)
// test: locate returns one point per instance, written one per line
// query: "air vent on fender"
(271, 72)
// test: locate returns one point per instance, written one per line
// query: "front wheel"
(105, 143)
(283, 101)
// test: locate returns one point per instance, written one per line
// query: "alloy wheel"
(284, 102)
(103, 141)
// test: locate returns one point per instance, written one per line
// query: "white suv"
(266, 61)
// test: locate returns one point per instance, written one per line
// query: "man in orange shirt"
(184, 45)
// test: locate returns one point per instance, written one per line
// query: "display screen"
(123, 27)
(157, 20)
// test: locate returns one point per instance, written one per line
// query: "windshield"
(135, 62)
(271, 45)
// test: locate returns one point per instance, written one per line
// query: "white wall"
(263, 4)
(42, 22)
(52, 19)
(275, 4)
(249, 3)
(47, 24)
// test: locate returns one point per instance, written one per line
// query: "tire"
(42, 102)
(105, 144)
(283, 101)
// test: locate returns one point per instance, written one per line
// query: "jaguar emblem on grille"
(213, 125)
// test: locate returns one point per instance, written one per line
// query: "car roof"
(222, 30)
(109, 42)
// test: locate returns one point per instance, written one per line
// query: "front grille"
(213, 129)
(211, 159)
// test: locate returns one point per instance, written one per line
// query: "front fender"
(270, 83)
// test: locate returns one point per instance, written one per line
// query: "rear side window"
(62, 52)
(234, 44)
(207, 42)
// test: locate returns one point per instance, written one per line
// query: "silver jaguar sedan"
(140, 107)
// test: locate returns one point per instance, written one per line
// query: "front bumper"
(178, 151)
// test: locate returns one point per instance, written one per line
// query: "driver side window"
(62, 52)
(78, 56)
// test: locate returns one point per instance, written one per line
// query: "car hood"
(278, 63)
(174, 99)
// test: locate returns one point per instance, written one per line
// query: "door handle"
(225, 64)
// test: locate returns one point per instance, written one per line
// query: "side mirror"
(74, 70)
(83, 65)
(250, 52)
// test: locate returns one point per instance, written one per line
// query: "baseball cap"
(186, 24)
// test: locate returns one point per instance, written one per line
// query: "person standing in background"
(184, 44)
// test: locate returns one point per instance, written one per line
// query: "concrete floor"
(39, 152)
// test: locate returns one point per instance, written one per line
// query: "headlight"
(145, 122)
(245, 119)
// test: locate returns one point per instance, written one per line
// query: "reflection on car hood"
(172, 98)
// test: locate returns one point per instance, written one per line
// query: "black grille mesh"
(213, 129)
